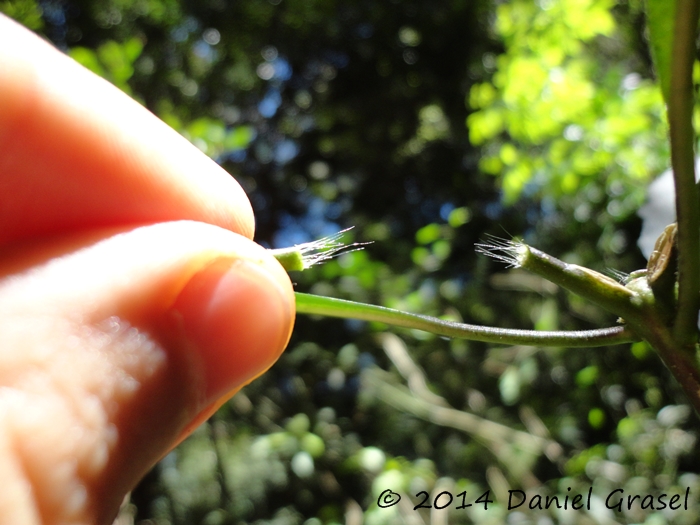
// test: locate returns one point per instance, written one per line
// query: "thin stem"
(331, 307)
(683, 365)
(594, 286)
(500, 439)
(680, 114)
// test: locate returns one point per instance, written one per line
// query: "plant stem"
(683, 365)
(680, 113)
(328, 306)
(591, 285)
(503, 441)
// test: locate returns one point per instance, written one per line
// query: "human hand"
(132, 301)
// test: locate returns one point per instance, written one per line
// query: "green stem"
(594, 286)
(683, 365)
(680, 114)
(328, 306)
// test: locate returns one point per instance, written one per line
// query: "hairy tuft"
(504, 250)
(322, 250)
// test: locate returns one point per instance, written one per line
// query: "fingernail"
(238, 319)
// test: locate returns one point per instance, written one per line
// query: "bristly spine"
(322, 250)
(619, 276)
(510, 252)
(304, 256)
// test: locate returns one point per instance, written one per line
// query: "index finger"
(76, 153)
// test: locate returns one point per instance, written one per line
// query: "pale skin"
(133, 301)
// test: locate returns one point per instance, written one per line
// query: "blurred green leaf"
(313, 444)
(112, 60)
(26, 12)
(459, 217)
(428, 234)
(299, 425)
(239, 138)
(587, 376)
(557, 117)
(660, 20)
(596, 417)
(88, 58)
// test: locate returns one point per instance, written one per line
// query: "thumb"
(113, 346)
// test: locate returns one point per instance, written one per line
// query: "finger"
(75, 152)
(112, 345)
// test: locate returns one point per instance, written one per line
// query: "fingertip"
(237, 316)
(60, 125)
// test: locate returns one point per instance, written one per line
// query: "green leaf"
(428, 234)
(587, 376)
(239, 138)
(26, 12)
(596, 417)
(313, 444)
(112, 60)
(660, 20)
(459, 216)
(119, 58)
(87, 58)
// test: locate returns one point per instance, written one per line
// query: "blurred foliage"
(660, 18)
(27, 12)
(566, 106)
(333, 113)
(111, 60)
